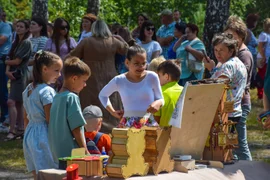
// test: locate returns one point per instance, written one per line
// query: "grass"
(12, 158)
(11, 155)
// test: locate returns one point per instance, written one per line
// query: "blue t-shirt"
(181, 53)
(66, 115)
(171, 53)
(253, 43)
(5, 30)
(164, 32)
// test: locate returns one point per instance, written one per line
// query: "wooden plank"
(200, 105)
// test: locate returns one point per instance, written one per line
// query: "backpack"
(92, 144)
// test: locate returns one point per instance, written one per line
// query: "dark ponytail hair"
(133, 50)
(42, 58)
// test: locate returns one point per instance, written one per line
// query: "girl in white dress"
(139, 89)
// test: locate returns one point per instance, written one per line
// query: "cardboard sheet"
(200, 105)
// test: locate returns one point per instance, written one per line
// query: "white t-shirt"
(136, 97)
(151, 47)
(264, 37)
(84, 35)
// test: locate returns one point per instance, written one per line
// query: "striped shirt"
(38, 43)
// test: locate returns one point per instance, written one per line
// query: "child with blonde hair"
(155, 63)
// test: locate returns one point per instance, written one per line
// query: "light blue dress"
(35, 142)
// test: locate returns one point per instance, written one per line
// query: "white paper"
(176, 119)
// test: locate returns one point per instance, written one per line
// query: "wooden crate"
(156, 154)
(88, 166)
(128, 145)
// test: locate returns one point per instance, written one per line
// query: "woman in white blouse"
(148, 41)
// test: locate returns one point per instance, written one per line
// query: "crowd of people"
(133, 79)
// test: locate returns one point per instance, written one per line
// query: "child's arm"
(26, 121)
(118, 114)
(79, 138)
(104, 95)
(47, 109)
(159, 100)
(155, 106)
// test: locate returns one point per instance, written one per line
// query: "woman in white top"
(87, 22)
(139, 89)
(148, 41)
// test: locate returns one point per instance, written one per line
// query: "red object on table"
(72, 172)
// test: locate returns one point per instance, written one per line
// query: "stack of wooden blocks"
(135, 151)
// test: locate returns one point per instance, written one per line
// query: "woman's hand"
(118, 114)
(10, 75)
(209, 63)
(154, 107)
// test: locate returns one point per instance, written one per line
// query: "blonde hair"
(100, 29)
(236, 24)
(153, 66)
(266, 25)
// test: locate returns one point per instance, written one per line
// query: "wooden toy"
(72, 172)
(88, 165)
(128, 145)
(223, 136)
(156, 154)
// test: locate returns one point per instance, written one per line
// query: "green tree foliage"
(71, 10)
(17, 9)
(125, 12)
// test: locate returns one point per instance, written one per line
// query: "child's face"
(52, 73)
(79, 82)
(137, 64)
(163, 78)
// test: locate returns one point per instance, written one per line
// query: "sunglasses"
(149, 28)
(63, 27)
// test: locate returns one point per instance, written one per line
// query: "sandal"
(19, 136)
(10, 136)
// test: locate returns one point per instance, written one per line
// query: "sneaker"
(4, 129)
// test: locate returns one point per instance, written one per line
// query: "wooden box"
(88, 166)
(156, 154)
(128, 145)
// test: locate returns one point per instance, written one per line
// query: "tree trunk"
(217, 13)
(93, 6)
(40, 9)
